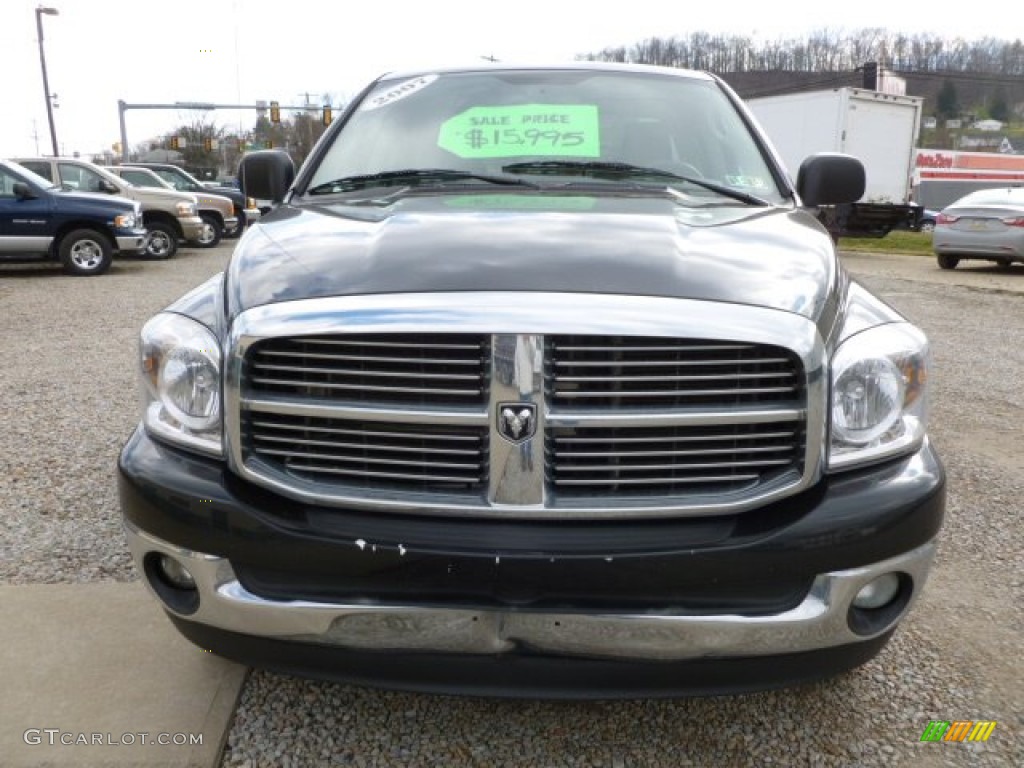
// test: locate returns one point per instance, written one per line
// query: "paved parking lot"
(67, 351)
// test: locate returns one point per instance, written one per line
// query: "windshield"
(554, 128)
(177, 179)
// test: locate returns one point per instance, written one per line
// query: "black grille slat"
(562, 455)
(583, 364)
(400, 369)
(329, 444)
(272, 353)
(614, 371)
(382, 374)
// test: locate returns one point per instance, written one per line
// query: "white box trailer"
(880, 129)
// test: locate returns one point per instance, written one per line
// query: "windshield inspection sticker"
(526, 129)
(753, 182)
(397, 92)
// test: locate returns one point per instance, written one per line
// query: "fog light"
(175, 573)
(879, 592)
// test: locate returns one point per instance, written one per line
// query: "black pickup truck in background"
(81, 230)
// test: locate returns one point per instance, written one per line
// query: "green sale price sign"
(523, 130)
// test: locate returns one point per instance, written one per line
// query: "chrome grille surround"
(516, 484)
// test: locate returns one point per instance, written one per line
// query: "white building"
(988, 125)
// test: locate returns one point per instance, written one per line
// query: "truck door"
(24, 223)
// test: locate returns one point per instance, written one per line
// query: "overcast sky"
(241, 51)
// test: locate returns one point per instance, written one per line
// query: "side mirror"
(22, 191)
(109, 187)
(266, 174)
(830, 179)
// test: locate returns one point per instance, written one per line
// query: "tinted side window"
(82, 179)
(174, 180)
(6, 184)
(41, 168)
(138, 179)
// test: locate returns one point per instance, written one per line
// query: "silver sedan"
(987, 224)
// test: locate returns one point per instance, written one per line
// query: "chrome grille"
(369, 454)
(407, 368)
(722, 413)
(671, 460)
(615, 371)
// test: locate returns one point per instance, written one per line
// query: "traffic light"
(326, 117)
(208, 145)
(275, 112)
(175, 144)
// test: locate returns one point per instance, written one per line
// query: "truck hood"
(97, 199)
(218, 202)
(234, 195)
(650, 246)
(153, 195)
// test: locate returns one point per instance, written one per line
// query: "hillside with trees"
(972, 79)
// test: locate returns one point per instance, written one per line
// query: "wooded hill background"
(979, 78)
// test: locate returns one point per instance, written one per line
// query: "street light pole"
(40, 10)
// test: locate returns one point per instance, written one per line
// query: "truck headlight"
(250, 202)
(124, 221)
(182, 383)
(186, 210)
(879, 397)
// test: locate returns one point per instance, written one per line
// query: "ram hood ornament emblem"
(517, 422)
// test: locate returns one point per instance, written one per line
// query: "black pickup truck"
(41, 221)
(537, 381)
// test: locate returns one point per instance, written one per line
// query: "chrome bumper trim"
(191, 227)
(819, 621)
(131, 242)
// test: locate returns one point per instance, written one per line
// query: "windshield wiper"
(724, 191)
(412, 176)
(621, 170)
(586, 168)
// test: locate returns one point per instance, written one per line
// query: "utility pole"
(40, 11)
(309, 127)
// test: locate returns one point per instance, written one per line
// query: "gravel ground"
(68, 349)
(66, 370)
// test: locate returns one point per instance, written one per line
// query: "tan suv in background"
(216, 211)
(169, 215)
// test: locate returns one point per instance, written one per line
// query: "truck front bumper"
(132, 243)
(258, 567)
(191, 227)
